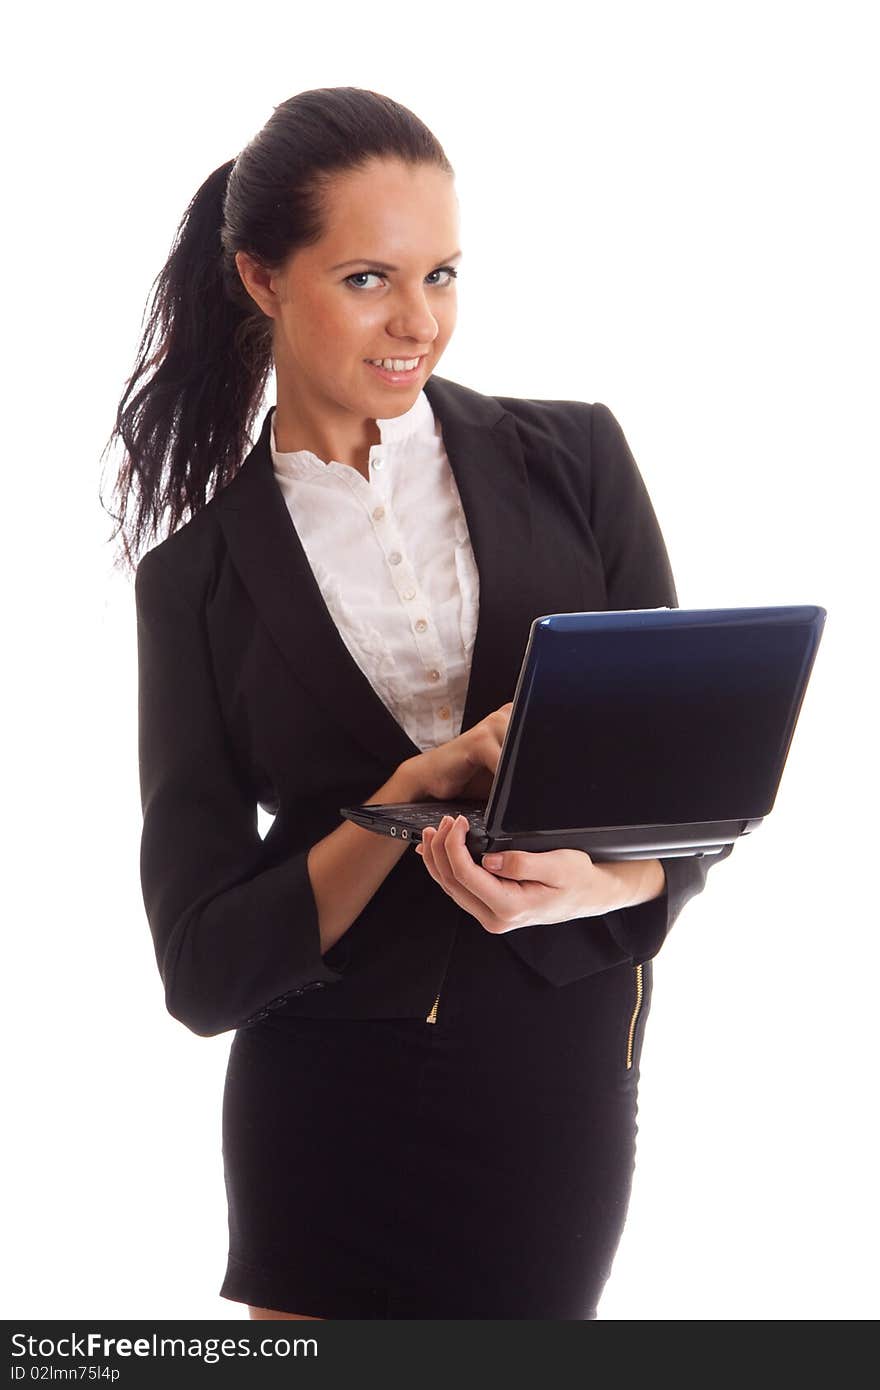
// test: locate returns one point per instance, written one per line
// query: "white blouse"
(393, 560)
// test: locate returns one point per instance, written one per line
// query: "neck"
(343, 437)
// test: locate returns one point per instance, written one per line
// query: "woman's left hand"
(526, 889)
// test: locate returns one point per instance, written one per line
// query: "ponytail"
(187, 413)
(190, 421)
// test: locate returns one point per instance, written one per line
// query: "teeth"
(396, 364)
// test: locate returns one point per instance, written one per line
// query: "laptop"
(637, 734)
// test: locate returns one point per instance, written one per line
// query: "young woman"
(430, 1103)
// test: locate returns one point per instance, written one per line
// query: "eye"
(446, 270)
(360, 275)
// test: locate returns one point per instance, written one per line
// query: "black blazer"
(247, 694)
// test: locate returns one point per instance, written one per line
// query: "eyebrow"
(383, 265)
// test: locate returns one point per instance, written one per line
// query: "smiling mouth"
(396, 364)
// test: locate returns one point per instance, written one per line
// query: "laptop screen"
(681, 716)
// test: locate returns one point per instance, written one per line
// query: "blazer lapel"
(489, 468)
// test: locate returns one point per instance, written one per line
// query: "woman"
(430, 1100)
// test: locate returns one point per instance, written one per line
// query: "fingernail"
(491, 861)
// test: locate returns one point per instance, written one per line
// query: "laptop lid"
(652, 717)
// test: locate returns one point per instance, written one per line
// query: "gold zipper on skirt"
(635, 1018)
(432, 1016)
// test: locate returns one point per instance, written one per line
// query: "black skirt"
(475, 1167)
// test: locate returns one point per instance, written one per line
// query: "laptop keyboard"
(433, 814)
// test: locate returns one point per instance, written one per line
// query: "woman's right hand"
(464, 766)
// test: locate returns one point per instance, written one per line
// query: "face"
(380, 284)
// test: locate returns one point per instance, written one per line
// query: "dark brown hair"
(186, 415)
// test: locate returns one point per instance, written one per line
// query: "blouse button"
(409, 593)
(433, 675)
(375, 463)
(378, 513)
(395, 557)
(443, 711)
(421, 625)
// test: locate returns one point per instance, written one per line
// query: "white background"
(668, 208)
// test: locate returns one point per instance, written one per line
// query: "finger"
(430, 858)
(441, 872)
(531, 896)
(439, 856)
(440, 841)
(428, 853)
(552, 867)
(479, 885)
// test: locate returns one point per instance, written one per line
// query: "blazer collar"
(487, 460)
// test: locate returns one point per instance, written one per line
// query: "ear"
(259, 282)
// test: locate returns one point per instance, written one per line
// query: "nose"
(412, 319)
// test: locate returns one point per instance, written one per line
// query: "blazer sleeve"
(234, 935)
(637, 575)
